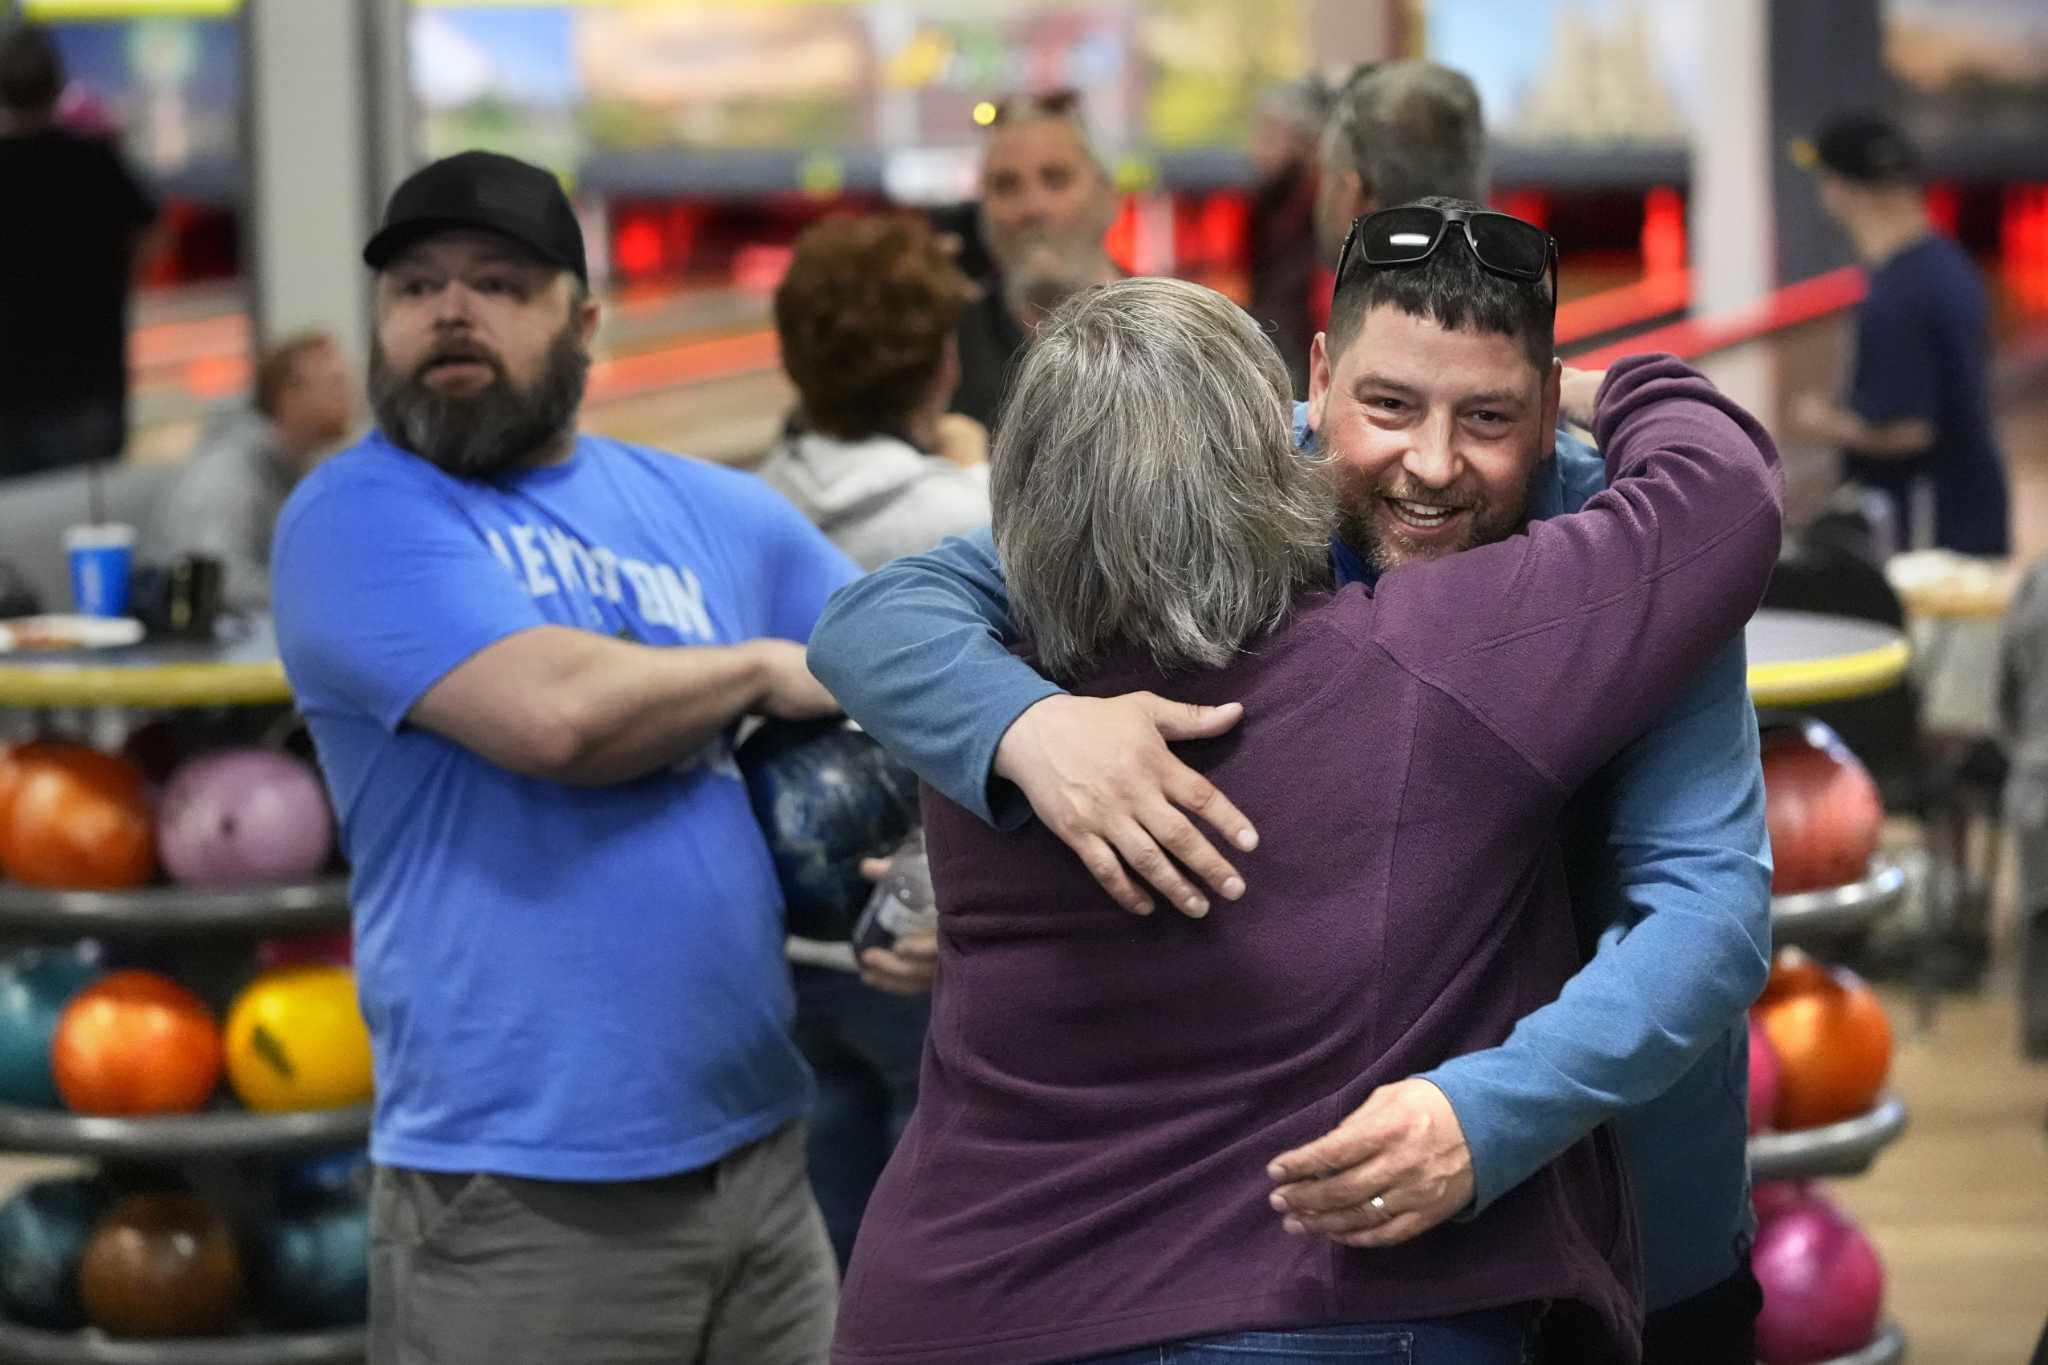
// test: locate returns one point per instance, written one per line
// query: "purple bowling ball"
(1823, 1285)
(244, 817)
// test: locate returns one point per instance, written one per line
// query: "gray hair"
(1147, 492)
(1410, 129)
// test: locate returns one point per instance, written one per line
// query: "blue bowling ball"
(320, 1180)
(826, 796)
(43, 1232)
(35, 985)
(316, 1266)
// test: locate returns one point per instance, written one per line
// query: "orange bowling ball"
(1833, 1043)
(74, 819)
(136, 1043)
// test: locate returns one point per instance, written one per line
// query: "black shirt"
(69, 212)
(990, 342)
(1923, 350)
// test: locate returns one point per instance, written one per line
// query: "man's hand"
(912, 965)
(788, 691)
(1098, 773)
(1817, 417)
(1577, 394)
(1404, 1144)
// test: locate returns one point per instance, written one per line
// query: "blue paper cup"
(101, 558)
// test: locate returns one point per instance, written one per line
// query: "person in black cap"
(522, 651)
(1918, 411)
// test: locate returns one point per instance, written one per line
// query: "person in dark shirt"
(73, 226)
(1918, 409)
(1046, 202)
(1283, 236)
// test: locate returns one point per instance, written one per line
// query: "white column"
(309, 193)
(1731, 209)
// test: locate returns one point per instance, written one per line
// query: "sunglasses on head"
(1502, 244)
(1062, 103)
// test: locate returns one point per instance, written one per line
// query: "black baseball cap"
(1860, 147)
(482, 190)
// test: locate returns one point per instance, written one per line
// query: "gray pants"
(728, 1265)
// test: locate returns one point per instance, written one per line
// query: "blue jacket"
(1672, 887)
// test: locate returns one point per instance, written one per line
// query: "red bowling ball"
(1823, 810)
(1823, 1284)
(245, 817)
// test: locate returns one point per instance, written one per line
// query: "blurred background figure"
(74, 228)
(1046, 201)
(867, 318)
(1397, 131)
(225, 499)
(1282, 241)
(1918, 409)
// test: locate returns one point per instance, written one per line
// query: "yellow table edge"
(1805, 682)
(167, 685)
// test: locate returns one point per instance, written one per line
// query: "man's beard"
(1363, 516)
(477, 435)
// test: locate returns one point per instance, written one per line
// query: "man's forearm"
(571, 706)
(1896, 440)
(636, 718)
(1688, 881)
(915, 652)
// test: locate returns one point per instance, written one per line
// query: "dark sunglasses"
(1502, 244)
(1063, 103)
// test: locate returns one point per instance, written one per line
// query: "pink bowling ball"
(1763, 1078)
(1823, 1284)
(244, 817)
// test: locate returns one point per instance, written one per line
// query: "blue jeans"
(865, 1046)
(1496, 1337)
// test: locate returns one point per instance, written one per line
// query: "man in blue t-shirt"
(1919, 402)
(521, 651)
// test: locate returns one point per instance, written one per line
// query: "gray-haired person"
(1087, 1170)
(1398, 132)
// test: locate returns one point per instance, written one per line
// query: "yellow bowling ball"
(296, 1040)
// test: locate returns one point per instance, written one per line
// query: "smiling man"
(1418, 397)
(521, 650)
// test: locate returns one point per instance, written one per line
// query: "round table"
(1802, 658)
(240, 672)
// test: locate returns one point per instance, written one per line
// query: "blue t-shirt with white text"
(571, 983)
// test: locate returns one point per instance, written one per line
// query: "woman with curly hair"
(866, 317)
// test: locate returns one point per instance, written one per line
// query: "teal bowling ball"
(317, 1267)
(35, 985)
(43, 1232)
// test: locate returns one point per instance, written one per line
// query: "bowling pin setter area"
(177, 1010)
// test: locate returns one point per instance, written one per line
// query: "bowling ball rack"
(1801, 659)
(166, 911)
(204, 938)
(1818, 919)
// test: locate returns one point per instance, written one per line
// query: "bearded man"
(1046, 201)
(521, 651)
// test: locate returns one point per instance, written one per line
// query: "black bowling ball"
(827, 796)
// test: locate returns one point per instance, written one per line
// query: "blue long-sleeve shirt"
(1671, 881)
